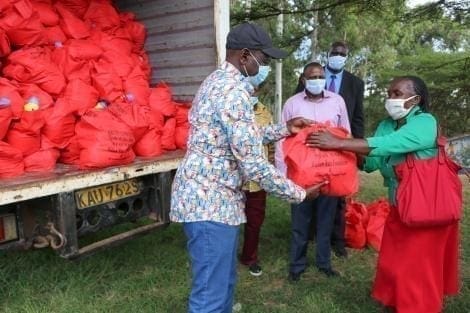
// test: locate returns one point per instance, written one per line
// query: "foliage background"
(387, 38)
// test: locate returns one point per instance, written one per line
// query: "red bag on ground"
(308, 166)
(10, 90)
(168, 135)
(5, 116)
(104, 140)
(356, 221)
(378, 213)
(11, 161)
(29, 91)
(160, 100)
(41, 161)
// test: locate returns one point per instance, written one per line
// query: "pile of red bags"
(308, 166)
(365, 223)
(75, 88)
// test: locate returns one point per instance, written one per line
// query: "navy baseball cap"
(252, 36)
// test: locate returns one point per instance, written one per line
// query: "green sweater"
(391, 143)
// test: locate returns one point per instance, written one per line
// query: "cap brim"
(275, 53)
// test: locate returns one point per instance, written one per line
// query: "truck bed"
(67, 178)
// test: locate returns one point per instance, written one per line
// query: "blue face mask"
(315, 86)
(259, 78)
(253, 100)
(336, 62)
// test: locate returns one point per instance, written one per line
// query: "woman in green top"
(417, 267)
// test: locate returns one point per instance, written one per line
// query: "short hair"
(339, 44)
(420, 89)
(300, 86)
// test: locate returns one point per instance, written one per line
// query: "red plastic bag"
(25, 134)
(11, 161)
(77, 7)
(10, 90)
(104, 140)
(71, 153)
(102, 15)
(79, 97)
(5, 117)
(168, 135)
(135, 30)
(160, 100)
(5, 48)
(356, 221)
(29, 91)
(55, 35)
(182, 125)
(23, 26)
(308, 166)
(132, 115)
(35, 66)
(72, 26)
(378, 213)
(59, 127)
(150, 144)
(106, 81)
(41, 161)
(47, 14)
(137, 85)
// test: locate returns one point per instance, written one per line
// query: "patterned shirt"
(224, 151)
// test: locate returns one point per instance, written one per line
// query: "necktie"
(332, 86)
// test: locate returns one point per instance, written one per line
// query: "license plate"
(8, 228)
(98, 195)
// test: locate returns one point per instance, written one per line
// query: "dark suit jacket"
(352, 91)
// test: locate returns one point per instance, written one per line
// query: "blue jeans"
(301, 215)
(212, 248)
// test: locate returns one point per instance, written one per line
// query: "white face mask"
(315, 86)
(396, 107)
(336, 62)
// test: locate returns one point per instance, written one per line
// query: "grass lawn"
(151, 274)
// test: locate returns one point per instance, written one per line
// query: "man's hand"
(314, 191)
(296, 124)
(323, 140)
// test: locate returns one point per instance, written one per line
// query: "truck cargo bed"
(67, 178)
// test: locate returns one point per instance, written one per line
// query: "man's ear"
(244, 53)
(416, 100)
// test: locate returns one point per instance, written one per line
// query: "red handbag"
(429, 191)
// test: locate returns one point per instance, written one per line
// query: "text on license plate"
(98, 195)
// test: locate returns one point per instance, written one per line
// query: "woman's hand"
(314, 191)
(296, 124)
(324, 140)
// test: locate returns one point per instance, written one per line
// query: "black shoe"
(294, 277)
(329, 272)
(340, 252)
(255, 269)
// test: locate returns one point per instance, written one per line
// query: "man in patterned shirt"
(223, 152)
